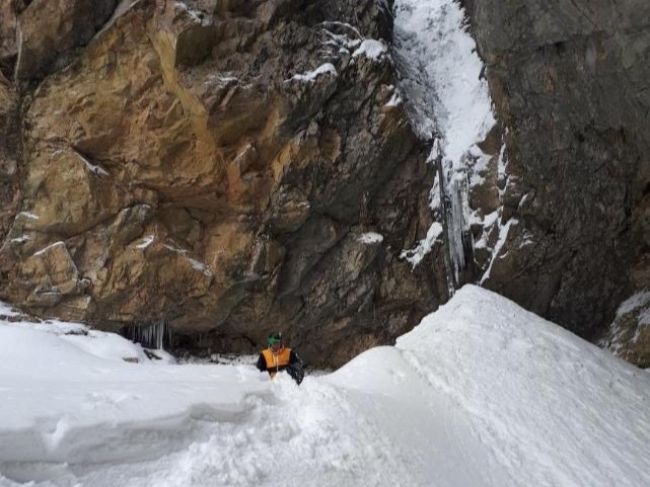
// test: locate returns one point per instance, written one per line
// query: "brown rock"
(629, 335)
(49, 29)
(211, 165)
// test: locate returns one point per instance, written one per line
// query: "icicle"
(150, 336)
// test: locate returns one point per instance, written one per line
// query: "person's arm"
(295, 368)
(294, 359)
(261, 363)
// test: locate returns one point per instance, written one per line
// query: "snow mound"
(554, 409)
(480, 393)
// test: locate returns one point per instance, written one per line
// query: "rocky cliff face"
(234, 167)
(569, 80)
(219, 166)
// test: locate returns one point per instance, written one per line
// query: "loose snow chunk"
(371, 238)
(310, 76)
(145, 242)
(371, 48)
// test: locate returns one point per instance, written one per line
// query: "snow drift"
(480, 393)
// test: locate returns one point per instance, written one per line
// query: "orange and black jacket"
(275, 362)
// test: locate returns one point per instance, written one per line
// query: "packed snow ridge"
(481, 393)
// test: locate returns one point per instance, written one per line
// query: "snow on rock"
(629, 333)
(93, 168)
(415, 255)
(480, 393)
(504, 231)
(395, 100)
(371, 48)
(21, 239)
(197, 16)
(371, 238)
(28, 214)
(310, 76)
(49, 247)
(145, 242)
(7, 311)
(633, 302)
(200, 266)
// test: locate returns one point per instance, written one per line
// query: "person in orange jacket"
(277, 357)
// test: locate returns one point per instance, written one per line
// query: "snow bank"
(481, 393)
(554, 409)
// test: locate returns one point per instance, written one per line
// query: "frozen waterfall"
(449, 104)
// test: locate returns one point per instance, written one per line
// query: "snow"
(146, 241)
(93, 168)
(28, 214)
(480, 393)
(7, 311)
(504, 230)
(633, 302)
(448, 100)
(371, 238)
(310, 76)
(424, 246)
(371, 48)
(644, 317)
(554, 409)
(344, 25)
(21, 239)
(431, 36)
(196, 264)
(395, 100)
(51, 246)
(197, 16)
(199, 266)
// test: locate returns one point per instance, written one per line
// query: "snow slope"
(481, 393)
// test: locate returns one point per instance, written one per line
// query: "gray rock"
(569, 82)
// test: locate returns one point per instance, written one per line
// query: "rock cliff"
(569, 82)
(227, 167)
